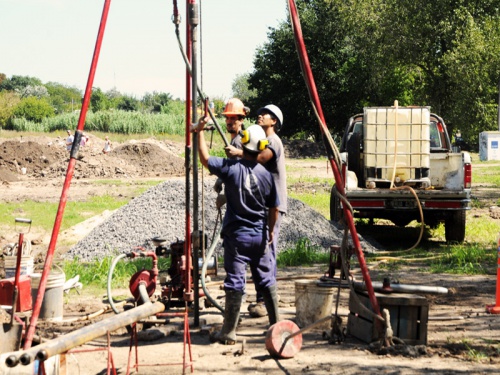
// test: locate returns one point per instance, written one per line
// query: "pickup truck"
(395, 157)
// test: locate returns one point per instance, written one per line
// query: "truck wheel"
(335, 210)
(454, 226)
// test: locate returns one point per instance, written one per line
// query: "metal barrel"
(79, 337)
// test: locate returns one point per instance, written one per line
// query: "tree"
(241, 90)
(36, 91)
(98, 101)
(33, 109)
(8, 102)
(442, 54)
(454, 48)
(156, 102)
(128, 103)
(473, 68)
(336, 65)
(64, 98)
(218, 105)
(18, 83)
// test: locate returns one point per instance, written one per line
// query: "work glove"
(218, 186)
(220, 201)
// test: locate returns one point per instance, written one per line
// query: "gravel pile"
(160, 212)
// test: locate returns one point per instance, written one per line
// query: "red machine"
(7, 287)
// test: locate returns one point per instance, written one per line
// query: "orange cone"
(495, 309)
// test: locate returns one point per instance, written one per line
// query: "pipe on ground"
(83, 335)
(404, 288)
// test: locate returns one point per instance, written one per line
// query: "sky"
(54, 41)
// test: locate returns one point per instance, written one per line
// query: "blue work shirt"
(250, 190)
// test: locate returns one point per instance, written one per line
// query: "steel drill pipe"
(99, 329)
(85, 334)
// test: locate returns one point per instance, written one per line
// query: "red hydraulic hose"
(339, 183)
(69, 175)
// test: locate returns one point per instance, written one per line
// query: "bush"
(8, 102)
(33, 109)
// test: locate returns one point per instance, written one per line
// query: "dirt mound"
(34, 156)
(47, 159)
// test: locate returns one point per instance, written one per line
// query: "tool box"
(24, 301)
(409, 316)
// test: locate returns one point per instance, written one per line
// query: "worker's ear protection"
(263, 143)
(254, 145)
(245, 136)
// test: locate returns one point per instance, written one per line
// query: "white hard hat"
(276, 112)
(254, 139)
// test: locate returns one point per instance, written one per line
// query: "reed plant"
(110, 121)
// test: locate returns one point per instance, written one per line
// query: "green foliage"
(43, 214)
(8, 102)
(174, 108)
(465, 259)
(317, 200)
(156, 102)
(95, 273)
(120, 122)
(36, 91)
(98, 100)
(241, 90)
(33, 109)
(218, 105)
(486, 174)
(441, 54)
(303, 254)
(64, 98)
(128, 103)
(18, 83)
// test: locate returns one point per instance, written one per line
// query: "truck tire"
(454, 226)
(335, 209)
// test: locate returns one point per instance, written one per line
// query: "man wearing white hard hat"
(270, 118)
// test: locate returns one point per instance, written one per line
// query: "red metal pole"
(18, 259)
(188, 293)
(311, 85)
(15, 294)
(495, 309)
(69, 175)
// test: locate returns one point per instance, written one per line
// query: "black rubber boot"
(271, 301)
(227, 335)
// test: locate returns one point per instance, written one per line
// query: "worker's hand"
(232, 151)
(271, 238)
(200, 125)
(202, 122)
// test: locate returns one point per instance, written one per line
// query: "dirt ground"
(461, 337)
